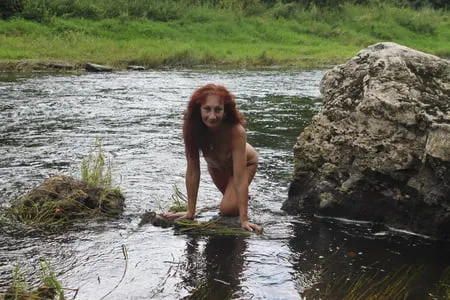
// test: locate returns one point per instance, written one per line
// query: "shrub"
(9, 8)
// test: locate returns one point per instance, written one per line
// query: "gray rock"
(97, 68)
(380, 148)
(136, 68)
(155, 219)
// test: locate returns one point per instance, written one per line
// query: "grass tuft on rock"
(61, 199)
(179, 203)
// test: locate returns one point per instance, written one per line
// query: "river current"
(48, 124)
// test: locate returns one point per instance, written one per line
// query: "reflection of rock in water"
(62, 197)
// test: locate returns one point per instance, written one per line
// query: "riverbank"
(68, 66)
(210, 38)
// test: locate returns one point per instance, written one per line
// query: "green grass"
(94, 171)
(49, 286)
(202, 36)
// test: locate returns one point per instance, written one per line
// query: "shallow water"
(48, 124)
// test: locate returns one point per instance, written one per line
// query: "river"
(48, 125)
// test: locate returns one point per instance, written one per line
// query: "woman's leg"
(224, 182)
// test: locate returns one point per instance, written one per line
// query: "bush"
(9, 8)
(165, 11)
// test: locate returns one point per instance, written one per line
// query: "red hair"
(194, 130)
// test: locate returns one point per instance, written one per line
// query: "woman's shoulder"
(237, 129)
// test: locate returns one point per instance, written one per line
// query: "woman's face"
(212, 111)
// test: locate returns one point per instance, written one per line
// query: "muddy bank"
(49, 66)
(59, 66)
(34, 65)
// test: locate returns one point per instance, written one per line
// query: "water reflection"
(275, 121)
(353, 259)
(214, 272)
(47, 125)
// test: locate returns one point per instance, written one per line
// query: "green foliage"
(164, 11)
(285, 10)
(199, 33)
(48, 288)
(169, 10)
(420, 22)
(19, 286)
(179, 201)
(94, 170)
(9, 8)
(49, 280)
(207, 228)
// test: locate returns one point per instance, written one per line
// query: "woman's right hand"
(179, 215)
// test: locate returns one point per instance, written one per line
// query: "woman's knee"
(251, 171)
(228, 210)
(229, 205)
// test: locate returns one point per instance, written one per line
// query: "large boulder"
(380, 148)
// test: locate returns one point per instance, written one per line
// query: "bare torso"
(221, 159)
(218, 154)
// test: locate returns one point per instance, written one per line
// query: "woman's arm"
(240, 176)
(192, 183)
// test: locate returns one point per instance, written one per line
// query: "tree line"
(165, 10)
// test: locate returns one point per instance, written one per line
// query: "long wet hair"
(195, 132)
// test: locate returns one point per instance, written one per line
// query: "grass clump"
(61, 199)
(48, 288)
(218, 226)
(94, 171)
(179, 199)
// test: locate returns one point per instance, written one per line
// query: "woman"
(213, 125)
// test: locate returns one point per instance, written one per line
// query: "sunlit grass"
(201, 36)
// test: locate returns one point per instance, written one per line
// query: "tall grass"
(94, 169)
(186, 34)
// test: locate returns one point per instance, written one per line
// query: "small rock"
(136, 68)
(97, 68)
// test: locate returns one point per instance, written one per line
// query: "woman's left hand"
(251, 227)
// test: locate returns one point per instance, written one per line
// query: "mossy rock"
(63, 198)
